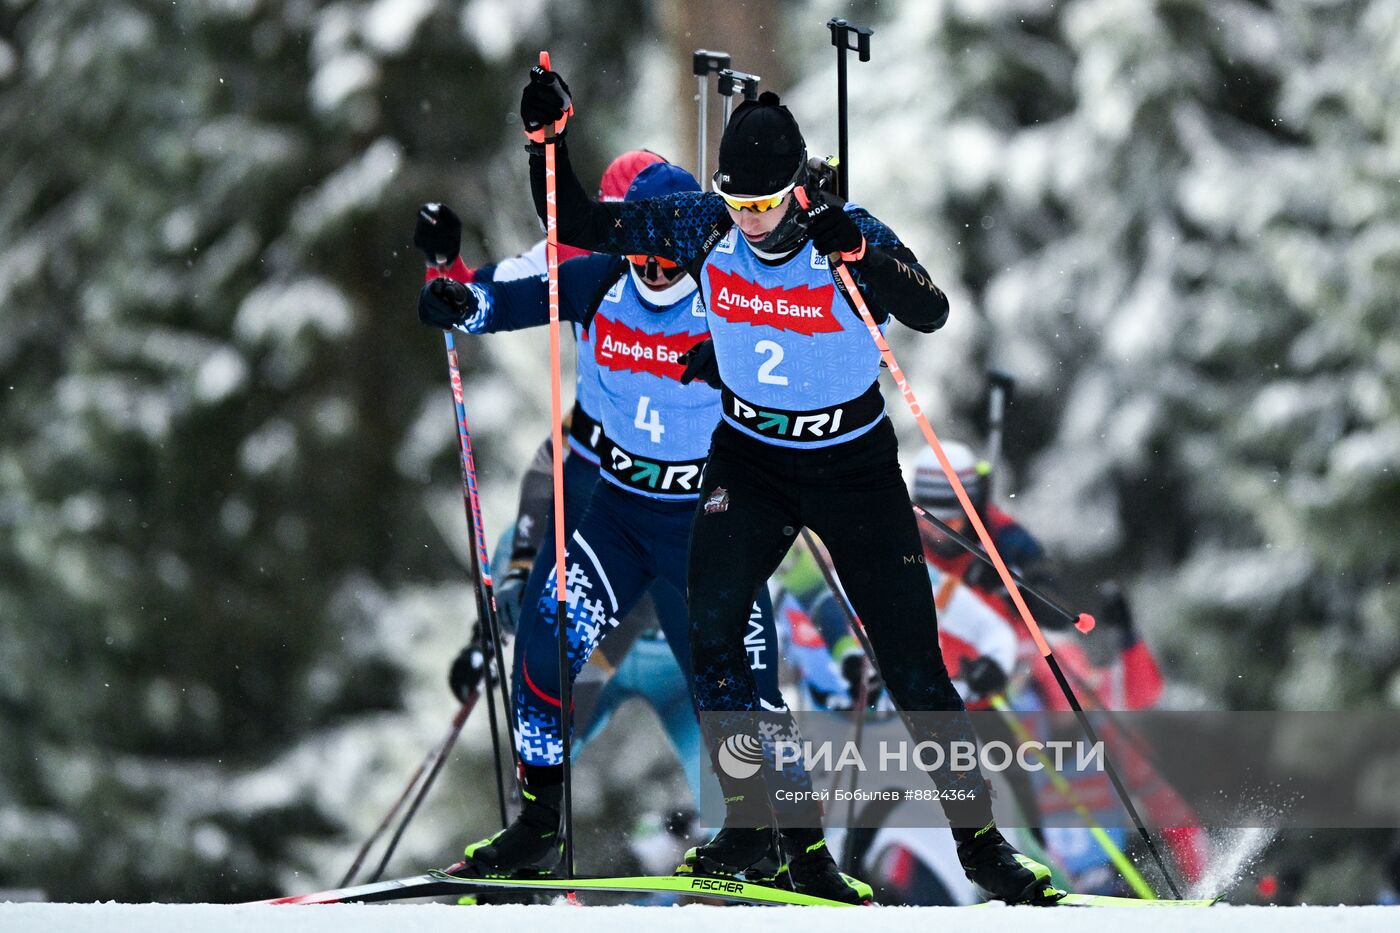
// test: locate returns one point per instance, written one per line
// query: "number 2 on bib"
(775, 356)
(651, 425)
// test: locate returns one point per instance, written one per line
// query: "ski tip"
(1085, 623)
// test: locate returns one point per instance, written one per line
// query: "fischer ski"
(730, 889)
(437, 883)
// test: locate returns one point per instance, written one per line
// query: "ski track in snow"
(441, 918)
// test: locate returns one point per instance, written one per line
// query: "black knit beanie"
(762, 149)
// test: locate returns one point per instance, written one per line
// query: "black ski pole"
(1001, 386)
(481, 559)
(433, 754)
(496, 739)
(481, 568)
(428, 782)
(494, 678)
(1097, 705)
(495, 733)
(1082, 621)
(1112, 772)
(704, 63)
(846, 36)
(829, 574)
(862, 698)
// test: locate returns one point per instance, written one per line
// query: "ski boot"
(993, 865)
(811, 870)
(745, 854)
(529, 847)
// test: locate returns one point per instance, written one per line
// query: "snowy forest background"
(231, 538)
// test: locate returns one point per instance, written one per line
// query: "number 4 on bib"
(651, 425)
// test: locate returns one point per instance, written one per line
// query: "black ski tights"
(755, 500)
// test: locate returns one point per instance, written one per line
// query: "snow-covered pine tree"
(220, 413)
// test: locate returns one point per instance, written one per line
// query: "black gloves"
(700, 363)
(438, 233)
(545, 102)
(983, 676)
(832, 230)
(467, 669)
(510, 593)
(446, 303)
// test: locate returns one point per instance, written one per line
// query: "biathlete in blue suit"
(804, 442)
(641, 315)
(438, 233)
(634, 661)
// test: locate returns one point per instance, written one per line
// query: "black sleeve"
(674, 227)
(892, 280)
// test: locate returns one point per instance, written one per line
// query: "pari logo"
(740, 756)
(802, 309)
(662, 477)
(810, 426)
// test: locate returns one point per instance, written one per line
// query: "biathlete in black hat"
(640, 316)
(804, 442)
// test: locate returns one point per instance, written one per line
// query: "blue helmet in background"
(660, 178)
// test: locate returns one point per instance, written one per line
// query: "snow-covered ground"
(431, 918)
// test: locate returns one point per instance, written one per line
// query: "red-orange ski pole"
(853, 295)
(561, 614)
